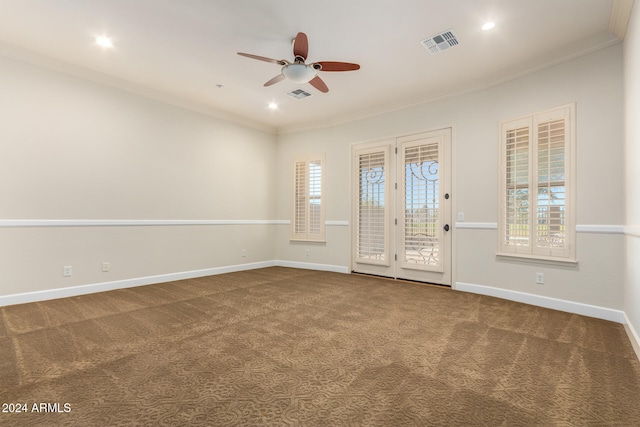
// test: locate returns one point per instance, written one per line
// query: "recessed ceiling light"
(273, 106)
(104, 41)
(488, 26)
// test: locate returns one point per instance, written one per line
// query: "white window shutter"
(421, 232)
(553, 224)
(372, 215)
(516, 179)
(537, 210)
(308, 215)
(300, 199)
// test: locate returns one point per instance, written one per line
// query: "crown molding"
(43, 61)
(620, 14)
(561, 55)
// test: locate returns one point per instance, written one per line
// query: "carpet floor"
(281, 346)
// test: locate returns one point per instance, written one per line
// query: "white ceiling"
(180, 50)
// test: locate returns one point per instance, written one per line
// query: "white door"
(402, 207)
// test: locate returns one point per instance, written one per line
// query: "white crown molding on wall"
(21, 223)
(477, 225)
(600, 229)
(130, 222)
(618, 23)
(597, 42)
(18, 223)
(620, 14)
(581, 228)
(44, 61)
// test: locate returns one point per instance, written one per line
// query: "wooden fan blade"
(301, 46)
(262, 58)
(275, 80)
(319, 84)
(337, 66)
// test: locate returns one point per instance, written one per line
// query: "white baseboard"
(73, 291)
(633, 335)
(312, 266)
(547, 302)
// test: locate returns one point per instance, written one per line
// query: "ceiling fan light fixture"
(298, 73)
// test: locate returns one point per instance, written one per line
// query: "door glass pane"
(371, 206)
(422, 210)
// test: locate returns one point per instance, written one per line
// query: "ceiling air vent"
(298, 94)
(440, 42)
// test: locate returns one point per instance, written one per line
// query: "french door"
(402, 207)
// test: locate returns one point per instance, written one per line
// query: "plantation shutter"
(300, 199)
(536, 208)
(422, 228)
(314, 202)
(307, 222)
(517, 171)
(552, 167)
(371, 210)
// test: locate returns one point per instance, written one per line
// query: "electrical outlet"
(308, 252)
(106, 267)
(67, 271)
(461, 216)
(540, 278)
(243, 253)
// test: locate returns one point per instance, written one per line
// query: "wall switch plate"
(308, 252)
(106, 267)
(243, 253)
(67, 271)
(460, 216)
(540, 278)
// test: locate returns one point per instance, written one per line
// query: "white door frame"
(388, 262)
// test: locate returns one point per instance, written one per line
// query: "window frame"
(303, 229)
(531, 250)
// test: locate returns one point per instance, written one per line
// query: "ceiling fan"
(299, 72)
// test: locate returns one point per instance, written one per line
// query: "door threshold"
(397, 279)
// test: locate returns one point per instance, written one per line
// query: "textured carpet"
(281, 346)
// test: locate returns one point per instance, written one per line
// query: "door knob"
(446, 227)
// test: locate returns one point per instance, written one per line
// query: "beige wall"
(77, 150)
(73, 149)
(632, 169)
(593, 81)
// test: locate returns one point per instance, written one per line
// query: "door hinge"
(396, 221)
(396, 257)
(396, 185)
(396, 150)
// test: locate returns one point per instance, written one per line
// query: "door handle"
(446, 227)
